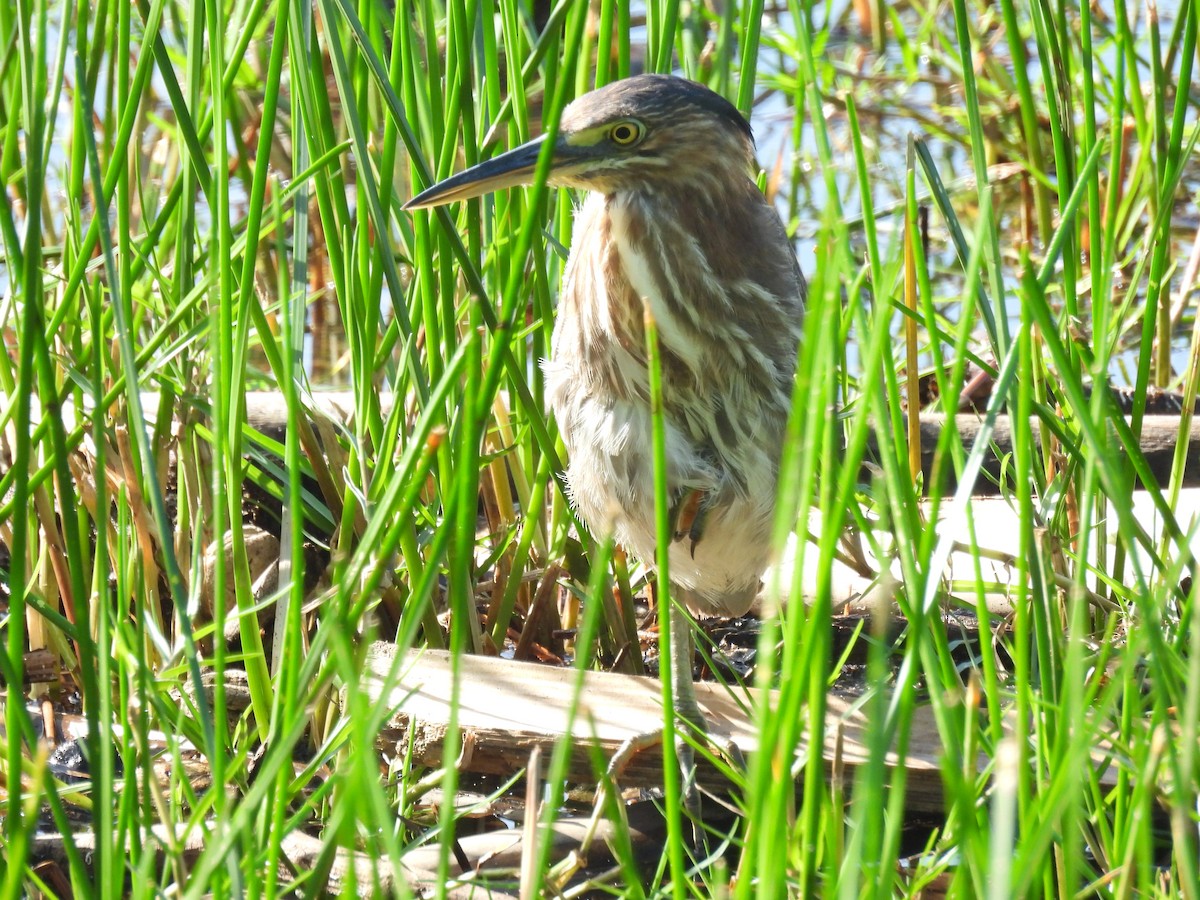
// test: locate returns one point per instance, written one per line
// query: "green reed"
(187, 187)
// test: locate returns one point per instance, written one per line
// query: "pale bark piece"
(506, 708)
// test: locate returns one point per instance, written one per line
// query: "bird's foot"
(686, 721)
(693, 733)
(689, 515)
(685, 758)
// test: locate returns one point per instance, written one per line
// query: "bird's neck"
(660, 259)
(722, 286)
(632, 253)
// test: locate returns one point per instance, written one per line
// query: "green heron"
(673, 217)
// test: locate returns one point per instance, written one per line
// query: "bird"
(672, 221)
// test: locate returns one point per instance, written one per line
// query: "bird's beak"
(506, 170)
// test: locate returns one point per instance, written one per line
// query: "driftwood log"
(1159, 438)
(266, 412)
(507, 708)
(491, 855)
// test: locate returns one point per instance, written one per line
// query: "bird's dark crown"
(651, 96)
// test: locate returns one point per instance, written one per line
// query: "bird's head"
(631, 134)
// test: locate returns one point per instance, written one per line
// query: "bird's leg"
(683, 653)
(687, 709)
(692, 721)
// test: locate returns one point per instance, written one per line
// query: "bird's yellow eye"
(626, 134)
